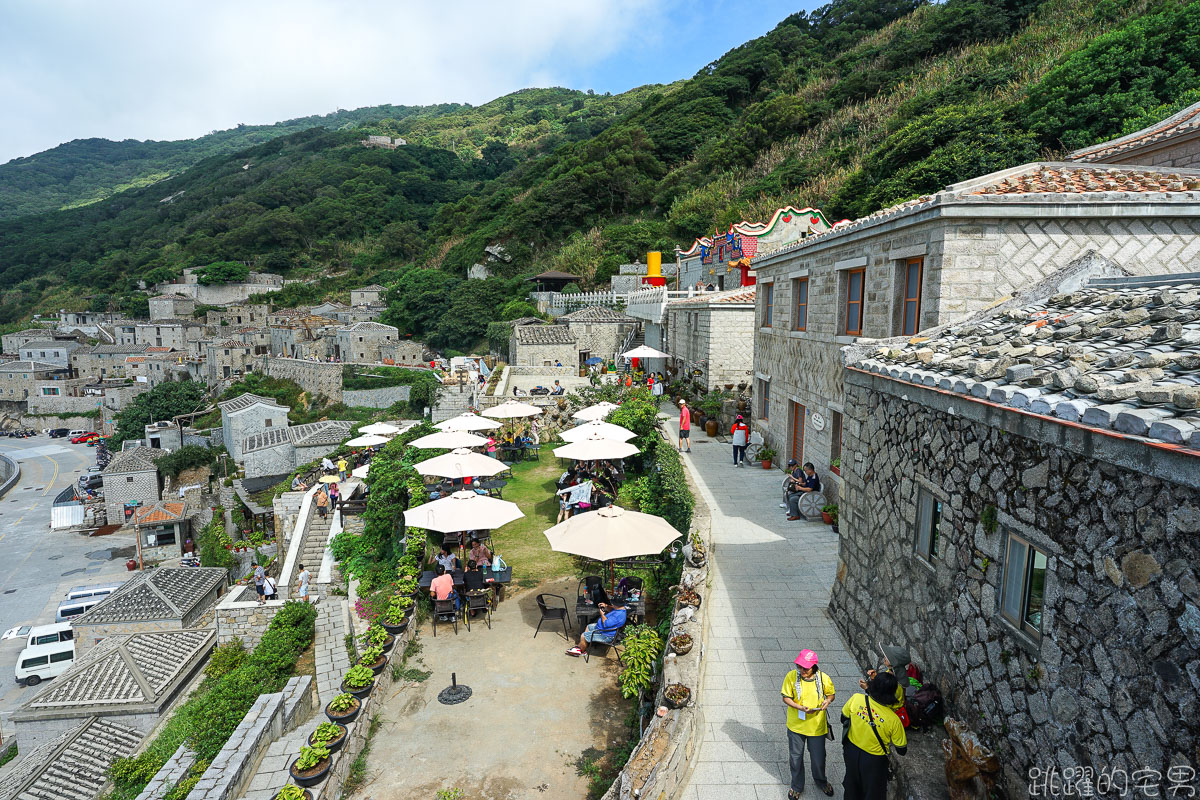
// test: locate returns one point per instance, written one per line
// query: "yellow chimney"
(654, 265)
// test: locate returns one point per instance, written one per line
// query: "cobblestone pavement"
(331, 659)
(272, 774)
(770, 587)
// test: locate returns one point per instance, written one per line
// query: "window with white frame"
(1023, 586)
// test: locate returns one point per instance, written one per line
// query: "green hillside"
(853, 107)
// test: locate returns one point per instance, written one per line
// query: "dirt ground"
(533, 712)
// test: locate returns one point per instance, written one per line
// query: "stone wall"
(74, 423)
(716, 339)
(169, 774)
(10, 473)
(376, 398)
(35, 732)
(601, 339)
(278, 460)
(128, 487)
(451, 401)
(315, 377)
(1113, 679)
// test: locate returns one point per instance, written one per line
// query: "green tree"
(222, 272)
(160, 403)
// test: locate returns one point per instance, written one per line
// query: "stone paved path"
(331, 659)
(273, 772)
(770, 587)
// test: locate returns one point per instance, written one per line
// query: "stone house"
(229, 360)
(11, 342)
(131, 480)
(360, 343)
(713, 334)
(49, 351)
(281, 450)
(248, 414)
(237, 316)
(288, 316)
(85, 322)
(124, 333)
(72, 765)
(18, 378)
(153, 368)
(163, 435)
(543, 345)
(1025, 485)
(939, 258)
(171, 306)
(599, 331)
(404, 352)
(348, 316)
(177, 334)
(367, 296)
(105, 360)
(156, 600)
(161, 529)
(329, 308)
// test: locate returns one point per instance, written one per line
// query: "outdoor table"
(494, 484)
(503, 577)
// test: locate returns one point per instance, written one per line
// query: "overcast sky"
(171, 69)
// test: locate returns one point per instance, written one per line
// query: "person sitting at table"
(442, 587)
(603, 630)
(479, 553)
(558, 389)
(446, 559)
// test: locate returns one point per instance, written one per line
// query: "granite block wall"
(376, 398)
(317, 377)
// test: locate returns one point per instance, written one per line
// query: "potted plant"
(311, 766)
(834, 515)
(374, 659)
(688, 597)
(329, 735)
(407, 585)
(343, 708)
(293, 792)
(836, 466)
(699, 554)
(681, 643)
(376, 636)
(676, 695)
(711, 404)
(398, 613)
(766, 455)
(827, 513)
(359, 681)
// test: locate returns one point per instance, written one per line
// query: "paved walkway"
(331, 658)
(272, 771)
(770, 587)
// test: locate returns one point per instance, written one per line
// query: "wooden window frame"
(768, 305)
(905, 299)
(797, 283)
(861, 272)
(796, 419)
(764, 399)
(835, 437)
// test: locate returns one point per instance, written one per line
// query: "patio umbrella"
(461, 463)
(642, 351)
(328, 479)
(368, 440)
(467, 422)
(611, 532)
(512, 409)
(595, 448)
(605, 430)
(463, 511)
(379, 429)
(598, 411)
(448, 439)
(361, 472)
(594, 360)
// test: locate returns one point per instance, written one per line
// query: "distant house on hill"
(386, 142)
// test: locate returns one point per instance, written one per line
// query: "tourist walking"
(740, 436)
(260, 575)
(807, 692)
(685, 425)
(302, 591)
(658, 385)
(870, 727)
(322, 501)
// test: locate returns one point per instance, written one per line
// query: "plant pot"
(395, 629)
(766, 465)
(691, 599)
(826, 518)
(836, 470)
(710, 427)
(307, 795)
(680, 703)
(682, 649)
(378, 666)
(834, 527)
(360, 692)
(336, 744)
(388, 643)
(741, 406)
(313, 776)
(348, 717)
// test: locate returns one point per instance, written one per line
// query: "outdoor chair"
(479, 600)
(635, 608)
(617, 643)
(455, 538)
(592, 586)
(553, 612)
(443, 608)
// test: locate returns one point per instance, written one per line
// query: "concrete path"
(331, 658)
(770, 587)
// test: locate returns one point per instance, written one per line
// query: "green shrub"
(189, 456)
(358, 677)
(311, 757)
(342, 703)
(225, 658)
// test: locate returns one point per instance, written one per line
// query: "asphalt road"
(38, 565)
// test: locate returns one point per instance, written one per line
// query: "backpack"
(925, 707)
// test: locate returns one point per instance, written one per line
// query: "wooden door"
(797, 423)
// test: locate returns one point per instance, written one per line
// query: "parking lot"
(38, 565)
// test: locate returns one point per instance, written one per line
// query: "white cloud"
(168, 70)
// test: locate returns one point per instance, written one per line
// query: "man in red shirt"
(685, 426)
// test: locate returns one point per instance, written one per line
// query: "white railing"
(651, 304)
(566, 303)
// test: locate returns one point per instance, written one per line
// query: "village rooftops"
(526, 321)
(244, 401)
(171, 297)
(119, 349)
(135, 459)
(1120, 355)
(165, 593)
(374, 287)
(269, 437)
(330, 432)
(732, 297)
(73, 765)
(29, 366)
(367, 326)
(595, 314)
(544, 334)
(162, 511)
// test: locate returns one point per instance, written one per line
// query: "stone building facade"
(49, 351)
(19, 378)
(599, 331)
(237, 316)
(171, 306)
(105, 360)
(229, 360)
(246, 415)
(362, 342)
(367, 296)
(131, 479)
(177, 334)
(713, 334)
(940, 258)
(405, 352)
(541, 345)
(1030, 509)
(317, 377)
(11, 342)
(161, 599)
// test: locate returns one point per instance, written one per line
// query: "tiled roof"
(49, 343)
(730, 297)
(1085, 179)
(229, 343)
(73, 765)
(369, 326)
(374, 287)
(596, 314)
(162, 511)
(330, 431)
(119, 349)
(268, 437)
(1183, 123)
(244, 401)
(28, 366)
(1119, 355)
(134, 359)
(526, 321)
(171, 297)
(135, 459)
(161, 593)
(544, 334)
(159, 349)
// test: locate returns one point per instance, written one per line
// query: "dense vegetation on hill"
(853, 107)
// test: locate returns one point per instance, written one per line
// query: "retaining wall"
(240, 615)
(169, 774)
(10, 473)
(376, 398)
(316, 377)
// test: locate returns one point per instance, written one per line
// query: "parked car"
(92, 480)
(84, 437)
(58, 433)
(69, 609)
(43, 662)
(93, 590)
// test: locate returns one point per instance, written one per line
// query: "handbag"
(874, 730)
(821, 696)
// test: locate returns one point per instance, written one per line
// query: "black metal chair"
(617, 643)
(554, 612)
(442, 608)
(479, 600)
(634, 608)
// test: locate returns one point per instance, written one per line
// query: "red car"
(84, 437)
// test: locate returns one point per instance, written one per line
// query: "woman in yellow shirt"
(807, 692)
(870, 726)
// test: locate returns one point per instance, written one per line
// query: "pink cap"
(806, 659)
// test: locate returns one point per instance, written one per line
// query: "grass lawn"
(522, 543)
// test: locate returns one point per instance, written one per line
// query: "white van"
(70, 609)
(44, 661)
(49, 634)
(73, 434)
(95, 590)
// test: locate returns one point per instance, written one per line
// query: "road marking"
(53, 477)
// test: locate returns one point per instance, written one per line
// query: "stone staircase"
(639, 339)
(316, 537)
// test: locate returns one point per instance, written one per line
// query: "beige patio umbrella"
(467, 422)
(379, 429)
(611, 532)
(642, 351)
(595, 448)
(512, 409)
(460, 463)
(598, 411)
(361, 472)
(328, 479)
(463, 511)
(368, 440)
(449, 440)
(605, 430)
